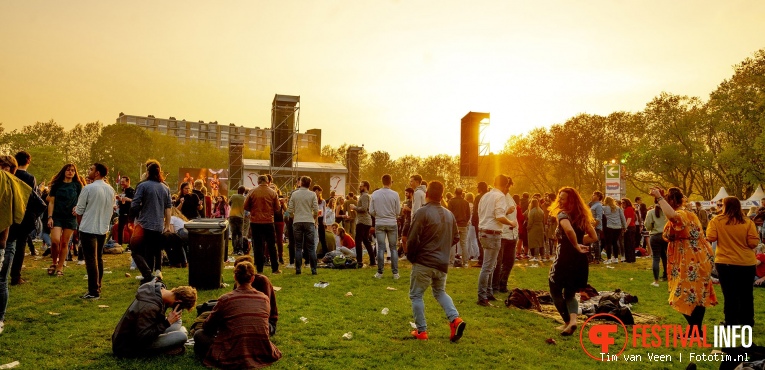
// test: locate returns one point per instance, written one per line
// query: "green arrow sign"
(612, 171)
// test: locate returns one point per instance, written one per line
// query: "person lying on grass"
(236, 334)
(145, 331)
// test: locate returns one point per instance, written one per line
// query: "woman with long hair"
(322, 210)
(630, 234)
(689, 259)
(188, 202)
(655, 221)
(615, 225)
(65, 188)
(221, 207)
(535, 229)
(279, 227)
(570, 270)
(735, 260)
(152, 204)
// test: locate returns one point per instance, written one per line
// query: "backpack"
(523, 299)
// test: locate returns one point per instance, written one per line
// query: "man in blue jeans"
(433, 232)
(492, 214)
(385, 207)
(304, 208)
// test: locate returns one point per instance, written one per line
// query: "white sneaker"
(607, 262)
(80, 262)
(290, 266)
(655, 284)
(2, 327)
(615, 260)
(396, 276)
(378, 275)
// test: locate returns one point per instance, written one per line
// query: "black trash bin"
(207, 245)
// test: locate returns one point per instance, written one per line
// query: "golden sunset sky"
(393, 75)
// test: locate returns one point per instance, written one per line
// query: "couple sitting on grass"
(245, 314)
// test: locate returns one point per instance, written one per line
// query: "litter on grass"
(227, 267)
(127, 274)
(107, 272)
(103, 306)
(10, 365)
(349, 294)
(348, 335)
(321, 284)
(414, 326)
(277, 288)
(231, 260)
(54, 313)
(391, 288)
(85, 277)
(304, 319)
(384, 311)
(550, 341)
(610, 267)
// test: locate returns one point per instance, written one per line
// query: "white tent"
(720, 195)
(757, 195)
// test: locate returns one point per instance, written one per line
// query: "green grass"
(80, 337)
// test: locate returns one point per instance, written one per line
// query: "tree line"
(676, 140)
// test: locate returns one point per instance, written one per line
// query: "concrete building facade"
(254, 138)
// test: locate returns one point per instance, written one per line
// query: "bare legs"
(59, 246)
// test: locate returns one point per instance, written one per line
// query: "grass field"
(496, 338)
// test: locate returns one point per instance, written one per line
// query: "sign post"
(613, 181)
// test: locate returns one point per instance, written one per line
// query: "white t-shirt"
(177, 223)
(493, 205)
(507, 233)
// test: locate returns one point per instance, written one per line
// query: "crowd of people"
(431, 228)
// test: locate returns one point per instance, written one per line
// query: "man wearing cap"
(492, 214)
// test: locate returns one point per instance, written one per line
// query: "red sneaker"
(458, 327)
(420, 335)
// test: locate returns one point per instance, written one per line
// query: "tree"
(124, 148)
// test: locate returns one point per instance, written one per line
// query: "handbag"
(35, 205)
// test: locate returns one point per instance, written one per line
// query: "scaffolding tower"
(285, 124)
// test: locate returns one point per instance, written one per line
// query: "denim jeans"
(362, 237)
(461, 247)
(305, 233)
(391, 233)
(93, 248)
(491, 245)
(174, 336)
(237, 227)
(5, 269)
(659, 253)
(421, 278)
(505, 263)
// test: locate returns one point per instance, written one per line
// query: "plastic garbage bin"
(207, 244)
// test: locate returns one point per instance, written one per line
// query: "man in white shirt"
(94, 210)
(492, 215)
(385, 207)
(506, 257)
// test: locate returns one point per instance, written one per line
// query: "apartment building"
(255, 138)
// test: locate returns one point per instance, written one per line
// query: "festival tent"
(720, 195)
(754, 200)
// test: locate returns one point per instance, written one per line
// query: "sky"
(393, 75)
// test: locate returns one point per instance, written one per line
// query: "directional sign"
(612, 171)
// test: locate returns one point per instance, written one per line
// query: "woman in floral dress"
(689, 259)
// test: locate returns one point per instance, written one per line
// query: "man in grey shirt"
(304, 208)
(433, 232)
(385, 207)
(363, 225)
(153, 205)
(94, 210)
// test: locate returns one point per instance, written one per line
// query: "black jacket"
(142, 323)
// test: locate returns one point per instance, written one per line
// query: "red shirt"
(348, 242)
(629, 212)
(761, 267)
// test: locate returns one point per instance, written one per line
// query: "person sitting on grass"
(759, 279)
(145, 331)
(263, 285)
(347, 244)
(236, 334)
